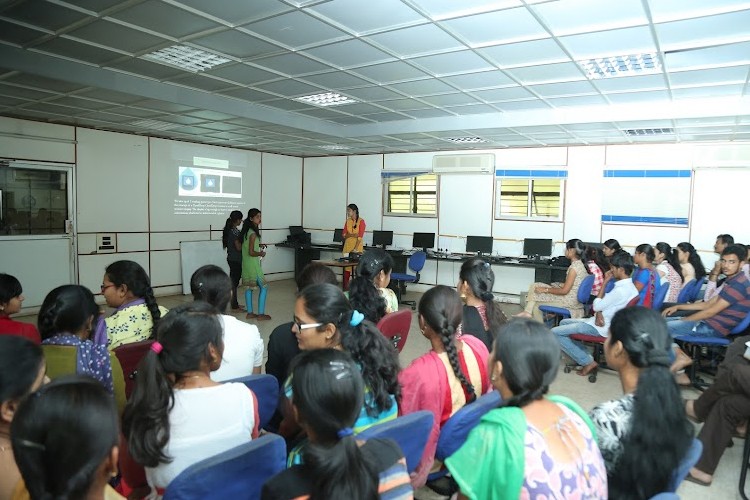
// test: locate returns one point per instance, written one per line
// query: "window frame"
(497, 199)
(386, 193)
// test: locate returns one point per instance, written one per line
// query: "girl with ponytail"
(451, 375)
(482, 316)
(644, 434)
(230, 240)
(328, 394)
(369, 292)
(668, 267)
(167, 423)
(525, 447)
(252, 272)
(127, 288)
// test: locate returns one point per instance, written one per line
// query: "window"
(529, 199)
(415, 195)
(33, 201)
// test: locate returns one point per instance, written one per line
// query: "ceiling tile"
(242, 73)
(78, 51)
(77, 102)
(323, 113)
(291, 64)
(49, 107)
(248, 94)
(610, 43)
(714, 30)
(362, 17)
(213, 116)
(349, 53)
(709, 57)
(236, 44)
(135, 112)
(238, 12)
(525, 53)
(529, 105)
(9, 102)
(504, 94)
(336, 80)
(289, 88)
(296, 29)
(588, 100)
(417, 40)
(517, 24)
(169, 107)
(386, 117)
(673, 10)
(638, 97)
(42, 83)
(481, 80)
(428, 113)
(735, 74)
(455, 62)
(111, 96)
(16, 34)
(445, 9)
(403, 104)
(472, 109)
(201, 82)
(709, 91)
(359, 109)
(109, 117)
(43, 14)
(563, 89)
(423, 87)
(566, 17)
(115, 35)
(163, 18)
(150, 69)
(560, 72)
(450, 99)
(94, 5)
(287, 104)
(631, 83)
(390, 72)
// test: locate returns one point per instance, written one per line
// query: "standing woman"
(482, 316)
(352, 234)
(667, 266)
(691, 265)
(230, 240)
(252, 273)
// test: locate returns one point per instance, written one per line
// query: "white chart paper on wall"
(646, 197)
(196, 254)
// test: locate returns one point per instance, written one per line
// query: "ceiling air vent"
(639, 132)
(464, 164)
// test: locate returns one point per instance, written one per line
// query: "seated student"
(177, 415)
(605, 306)
(70, 413)
(667, 266)
(715, 277)
(560, 294)
(66, 319)
(328, 394)
(369, 292)
(610, 247)
(533, 446)
(718, 316)
(481, 315)
(127, 287)
(243, 347)
(643, 435)
(644, 276)
(448, 377)
(596, 264)
(11, 298)
(691, 265)
(22, 371)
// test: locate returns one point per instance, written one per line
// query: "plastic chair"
(395, 326)
(685, 292)
(266, 390)
(416, 263)
(584, 293)
(409, 431)
(659, 296)
(696, 289)
(666, 496)
(687, 462)
(237, 473)
(595, 341)
(129, 356)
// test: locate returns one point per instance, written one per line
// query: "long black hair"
(694, 259)
(660, 433)
(364, 296)
(530, 355)
(328, 394)
(442, 310)
(576, 245)
(186, 333)
(249, 225)
(647, 250)
(211, 284)
(20, 362)
(66, 309)
(62, 434)
(480, 277)
(595, 255)
(127, 272)
(376, 356)
(669, 256)
(235, 216)
(613, 245)
(356, 211)
(9, 287)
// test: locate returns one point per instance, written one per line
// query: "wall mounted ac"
(464, 164)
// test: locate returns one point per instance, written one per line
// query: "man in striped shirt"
(718, 316)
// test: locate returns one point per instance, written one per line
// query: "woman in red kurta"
(451, 375)
(11, 298)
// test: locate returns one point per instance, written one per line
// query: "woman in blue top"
(645, 277)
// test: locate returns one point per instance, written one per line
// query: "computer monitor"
(295, 230)
(337, 235)
(382, 238)
(423, 240)
(479, 244)
(537, 247)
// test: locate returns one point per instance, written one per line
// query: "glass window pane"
(33, 201)
(545, 200)
(514, 198)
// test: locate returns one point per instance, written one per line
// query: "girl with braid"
(482, 316)
(127, 287)
(533, 446)
(451, 375)
(369, 292)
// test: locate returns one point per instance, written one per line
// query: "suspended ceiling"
(422, 71)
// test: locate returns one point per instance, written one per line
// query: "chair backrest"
(584, 289)
(409, 431)
(266, 390)
(741, 326)
(417, 260)
(455, 431)
(395, 326)
(129, 356)
(237, 473)
(609, 286)
(696, 289)
(659, 296)
(685, 292)
(688, 461)
(666, 496)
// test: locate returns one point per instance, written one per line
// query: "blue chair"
(686, 292)
(409, 431)
(455, 431)
(236, 473)
(659, 296)
(584, 293)
(266, 390)
(696, 290)
(687, 462)
(666, 496)
(416, 263)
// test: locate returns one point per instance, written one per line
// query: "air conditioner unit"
(464, 164)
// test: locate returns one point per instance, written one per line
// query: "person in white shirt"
(243, 347)
(605, 306)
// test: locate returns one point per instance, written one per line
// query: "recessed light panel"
(637, 132)
(186, 58)
(608, 67)
(326, 99)
(334, 147)
(465, 140)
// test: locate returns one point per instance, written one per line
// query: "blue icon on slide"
(187, 180)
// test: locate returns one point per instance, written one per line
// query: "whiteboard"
(196, 254)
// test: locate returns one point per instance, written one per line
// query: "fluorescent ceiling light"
(635, 132)
(634, 64)
(155, 124)
(187, 58)
(326, 99)
(334, 147)
(464, 140)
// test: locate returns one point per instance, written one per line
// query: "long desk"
(305, 254)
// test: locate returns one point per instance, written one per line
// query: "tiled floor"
(281, 297)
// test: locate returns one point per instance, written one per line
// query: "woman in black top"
(482, 315)
(230, 239)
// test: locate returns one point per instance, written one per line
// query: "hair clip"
(157, 347)
(357, 318)
(345, 432)
(340, 368)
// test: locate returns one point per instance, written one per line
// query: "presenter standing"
(352, 234)
(252, 272)
(231, 241)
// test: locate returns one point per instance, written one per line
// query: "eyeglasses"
(104, 287)
(305, 326)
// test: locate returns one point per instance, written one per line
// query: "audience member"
(610, 247)
(230, 240)
(532, 446)
(328, 394)
(11, 299)
(65, 441)
(643, 435)
(22, 371)
(177, 415)
(605, 306)
(252, 272)
(243, 347)
(644, 276)
(691, 265)
(369, 292)
(448, 377)
(596, 264)
(482, 316)
(560, 294)
(127, 288)
(715, 277)
(667, 266)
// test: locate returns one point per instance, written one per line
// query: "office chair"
(584, 293)
(395, 326)
(266, 390)
(416, 263)
(409, 431)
